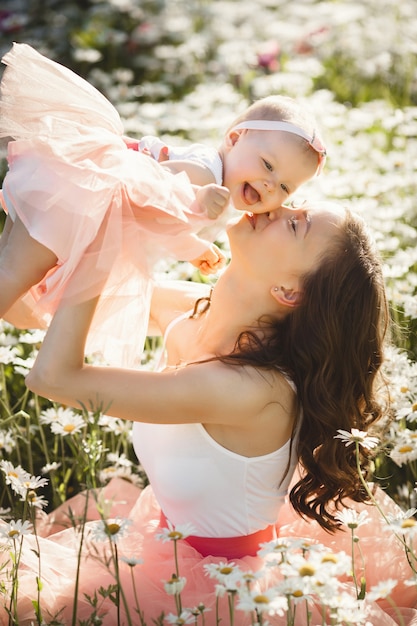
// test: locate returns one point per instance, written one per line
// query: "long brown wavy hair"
(331, 346)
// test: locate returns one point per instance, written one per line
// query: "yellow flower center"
(414, 407)
(226, 570)
(174, 535)
(403, 388)
(113, 528)
(329, 558)
(406, 448)
(408, 523)
(13, 533)
(261, 599)
(307, 570)
(68, 428)
(298, 593)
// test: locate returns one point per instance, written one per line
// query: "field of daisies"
(183, 69)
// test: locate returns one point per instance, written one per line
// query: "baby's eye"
(268, 165)
(285, 188)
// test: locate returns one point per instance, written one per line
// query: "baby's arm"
(212, 199)
(198, 173)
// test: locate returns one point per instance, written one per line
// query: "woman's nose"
(295, 209)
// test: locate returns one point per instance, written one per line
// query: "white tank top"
(198, 481)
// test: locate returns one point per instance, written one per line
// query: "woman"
(285, 352)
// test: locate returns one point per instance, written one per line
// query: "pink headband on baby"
(313, 140)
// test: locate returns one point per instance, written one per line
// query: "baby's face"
(263, 168)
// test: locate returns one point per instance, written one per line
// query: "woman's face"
(284, 244)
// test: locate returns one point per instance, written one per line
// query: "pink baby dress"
(108, 213)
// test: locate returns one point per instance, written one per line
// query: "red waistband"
(228, 547)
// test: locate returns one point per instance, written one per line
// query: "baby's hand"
(158, 151)
(213, 199)
(211, 261)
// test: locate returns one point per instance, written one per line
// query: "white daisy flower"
(404, 452)
(185, 618)
(32, 498)
(174, 533)
(112, 530)
(120, 460)
(279, 546)
(381, 590)
(227, 575)
(7, 441)
(15, 530)
(68, 424)
(357, 436)
(54, 414)
(50, 467)
(174, 585)
(406, 526)
(351, 518)
(268, 602)
(15, 476)
(35, 482)
(7, 355)
(131, 561)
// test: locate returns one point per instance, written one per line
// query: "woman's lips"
(252, 219)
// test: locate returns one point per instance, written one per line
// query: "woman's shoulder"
(235, 394)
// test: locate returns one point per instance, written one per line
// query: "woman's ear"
(286, 296)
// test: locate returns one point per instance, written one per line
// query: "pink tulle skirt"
(145, 563)
(107, 212)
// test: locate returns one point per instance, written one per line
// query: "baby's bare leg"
(23, 263)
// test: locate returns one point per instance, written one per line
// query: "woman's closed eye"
(293, 221)
(285, 188)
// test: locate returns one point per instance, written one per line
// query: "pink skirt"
(146, 563)
(107, 212)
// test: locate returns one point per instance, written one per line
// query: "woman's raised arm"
(210, 392)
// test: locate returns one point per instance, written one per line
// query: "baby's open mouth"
(250, 195)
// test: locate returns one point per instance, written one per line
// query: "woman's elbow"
(39, 381)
